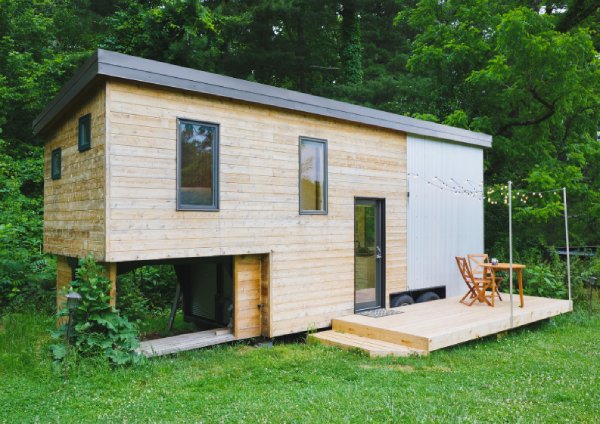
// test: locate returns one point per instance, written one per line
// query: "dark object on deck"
(402, 300)
(427, 297)
(408, 297)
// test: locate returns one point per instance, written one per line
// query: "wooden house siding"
(74, 205)
(311, 256)
(247, 298)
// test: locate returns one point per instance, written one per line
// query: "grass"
(545, 373)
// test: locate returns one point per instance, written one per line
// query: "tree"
(351, 49)
(509, 71)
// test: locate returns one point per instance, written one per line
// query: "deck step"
(183, 342)
(371, 346)
(377, 329)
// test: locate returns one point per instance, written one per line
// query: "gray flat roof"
(117, 65)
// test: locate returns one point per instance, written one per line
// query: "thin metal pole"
(68, 345)
(592, 282)
(174, 307)
(567, 240)
(510, 252)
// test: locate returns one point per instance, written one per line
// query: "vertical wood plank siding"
(74, 205)
(265, 301)
(247, 298)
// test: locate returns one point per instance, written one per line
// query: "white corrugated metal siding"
(441, 224)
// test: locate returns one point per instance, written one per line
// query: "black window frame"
(84, 133)
(325, 209)
(56, 164)
(214, 207)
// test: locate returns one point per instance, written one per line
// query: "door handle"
(378, 252)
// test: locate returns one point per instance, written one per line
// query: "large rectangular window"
(197, 165)
(313, 176)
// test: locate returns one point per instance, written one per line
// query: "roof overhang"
(117, 65)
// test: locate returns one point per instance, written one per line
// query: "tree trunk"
(351, 54)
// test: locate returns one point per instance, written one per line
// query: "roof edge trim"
(118, 65)
(84, 75)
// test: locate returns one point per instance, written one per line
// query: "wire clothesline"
(458, 188)
(508, 193)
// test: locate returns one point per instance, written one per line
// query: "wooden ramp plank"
(183, 342)
(373, 347)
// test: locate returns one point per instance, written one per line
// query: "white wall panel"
(441, 224)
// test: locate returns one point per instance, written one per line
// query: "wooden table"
(506, 267)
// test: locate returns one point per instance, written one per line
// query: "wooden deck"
(168, 345)
(425, 327)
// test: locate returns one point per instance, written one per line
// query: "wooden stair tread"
(373, 347)
(183, 342)
(378, 329)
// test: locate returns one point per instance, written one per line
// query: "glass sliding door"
(368, 254)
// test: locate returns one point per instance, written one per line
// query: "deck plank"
(446, 322)
(372, 347)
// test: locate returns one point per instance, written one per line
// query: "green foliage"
(526, 72)
(542, 281)
(180, 31)
(351, 54)
(26, 275)
(146, 290)
(542, 373)
(98, 329)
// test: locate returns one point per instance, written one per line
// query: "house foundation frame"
(251, 291)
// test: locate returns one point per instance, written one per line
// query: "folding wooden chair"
(476, 261)
(477, 286)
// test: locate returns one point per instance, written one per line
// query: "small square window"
(85, 133)
(56, 163)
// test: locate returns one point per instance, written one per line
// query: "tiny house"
(279, 210)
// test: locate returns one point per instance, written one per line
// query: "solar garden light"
(73, 300)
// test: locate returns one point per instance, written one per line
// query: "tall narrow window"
(313, 176)
(56, 164)
(197, 165)
(84, 141)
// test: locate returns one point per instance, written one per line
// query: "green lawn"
(546, 373)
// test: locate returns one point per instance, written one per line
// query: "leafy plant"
(98, 328)
(542, 281)
(148, 289)
(26, 274)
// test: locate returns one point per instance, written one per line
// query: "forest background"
(526, 72)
